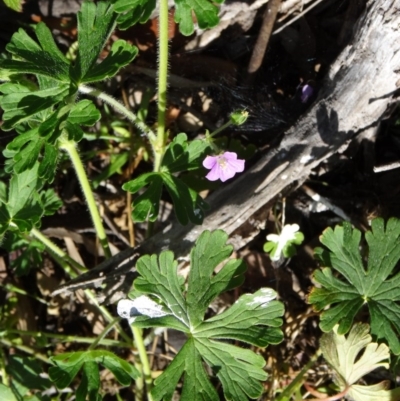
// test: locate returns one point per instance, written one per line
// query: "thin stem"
(105, 331)
(221, 128)
(25, 348)
(138, 337)
(3, 363)
(297, 382)
(116, 105)
(68, 338)
(161, 141)
(70, 148)
(59, 254)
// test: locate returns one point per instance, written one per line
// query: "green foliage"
(44, 115)
(253, 318)
(343, 354)
(30, 253)
(134, 11)
(15, 5)
(68, 365)
(25, 205)
(188, 205)
(376, 286)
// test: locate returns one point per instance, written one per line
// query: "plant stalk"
(70, 148)
(160, 143)
(138, 338)
(116, 105)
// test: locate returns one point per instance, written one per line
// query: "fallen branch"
(356, 92)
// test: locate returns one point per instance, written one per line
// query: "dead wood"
(356, 92)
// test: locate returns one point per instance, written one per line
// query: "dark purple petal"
(306, 93)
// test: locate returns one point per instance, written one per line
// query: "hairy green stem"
(145, 365)
(161, 141)
(116, 105)
(70, 148)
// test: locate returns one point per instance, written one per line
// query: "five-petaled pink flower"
(223, 166)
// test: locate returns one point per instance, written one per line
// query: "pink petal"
(236, 165)
(230, 156)
(210, 161)
(227, 173)
(215, 173)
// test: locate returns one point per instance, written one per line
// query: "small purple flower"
(223, 166)
(306, 92)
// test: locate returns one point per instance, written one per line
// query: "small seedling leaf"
(344, 355)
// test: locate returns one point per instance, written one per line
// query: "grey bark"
(357, 90)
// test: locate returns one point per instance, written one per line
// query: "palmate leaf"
(254, 319)
(343, 354)
(25, 205)
(96, 22)
(69, 364)
(206, 12)
(39, 58)
(20, 104)
(133, 11)
(375, 286)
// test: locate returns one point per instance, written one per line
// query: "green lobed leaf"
(6, 394)
(96, 22)
(133, 11)
(15, 5)
(68, 365)
(253, 319)
(188, 204)
(203, 287)
(22, 187)
(26, 371)
(30, 253)
(121, 54)
(239, 370)
(5, 218)
(43, 58)
(375, 286)
(19, 103)
(146, 205)
(206, 14)
(197, 384)
(90, 383)
(84, 113)
(182, 155)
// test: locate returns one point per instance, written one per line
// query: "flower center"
(222, 161)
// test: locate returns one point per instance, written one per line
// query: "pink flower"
(223, 166)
